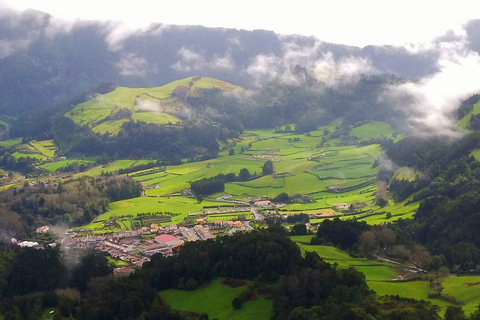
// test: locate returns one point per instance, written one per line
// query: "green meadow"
(215, 299)
(53, 166)
(329, 174)
(465, 121)
(464, 289)
(373, 270)
(152, 105)
(406, 173)
(372, 130)
(11, 142)
(135, 206)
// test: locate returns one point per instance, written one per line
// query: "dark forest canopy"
(302, 287)
(77, 202)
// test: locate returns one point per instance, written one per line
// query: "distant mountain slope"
(160, 105)
(44, 62)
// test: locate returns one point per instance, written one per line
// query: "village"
(135, 247)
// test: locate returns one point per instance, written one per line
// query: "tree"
(199, 198)
(244, 174)
(268, 167)
(94, 264)
(231, 152)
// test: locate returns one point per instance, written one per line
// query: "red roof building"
(169, 240)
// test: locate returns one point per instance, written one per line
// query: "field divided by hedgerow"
(215, 299)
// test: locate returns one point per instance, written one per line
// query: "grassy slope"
(465, 121)
(465, 289)
(215, 299)
(373, 270)
(152, 105)
(11, 142)
(372, 130)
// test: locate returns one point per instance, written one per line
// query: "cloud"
(300, 63)
(148, 105)
(265, 69)
(432, 102)
(116, 33)
(132, 65)
(9, 47)
(191, 60)
(222, 63)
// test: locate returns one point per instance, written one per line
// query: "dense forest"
(75, 202)
(301, 287)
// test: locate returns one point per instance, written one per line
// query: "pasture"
(11, 142)
(464, 289)
(133, 207)
(372, 130)
(329, 174)
(215, 299)
(465, 121)
(157, 105)
(373, 270)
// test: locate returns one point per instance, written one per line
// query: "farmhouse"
(327, 214)
(340, 206)
(42, 229)
(263, 203)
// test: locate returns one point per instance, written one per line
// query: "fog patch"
(386, 164)
(132, 65)
(148, 105)
(307, 63)
(431, 103)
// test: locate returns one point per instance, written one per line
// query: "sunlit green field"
(11, 142)
(372, 130)
(215, 299)
(152, 105)
(465, 121)
(52, 166)
(406, 173)
(26, 155)
(465, 289)
(373, 270)
(46, 147)
(135, 206)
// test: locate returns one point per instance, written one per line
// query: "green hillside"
(465, 121)
(160, 105)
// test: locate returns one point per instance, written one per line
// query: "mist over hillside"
(44, 60)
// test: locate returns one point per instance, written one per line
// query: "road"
(258, 215)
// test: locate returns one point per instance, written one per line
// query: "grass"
(406, 173)
(11, 142)
(373, 270)
(156, 118)
(372, 130)
(46, 147)
(25, 155)
(155, 204)
(476, 154)
(465, 121)
(464, 289)
(215, 299)
(151, 105)
(412, 289)
(117, 263)
(53, 166)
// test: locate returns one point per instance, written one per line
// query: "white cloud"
(132, 65)
(190, 60)
(433, 101)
